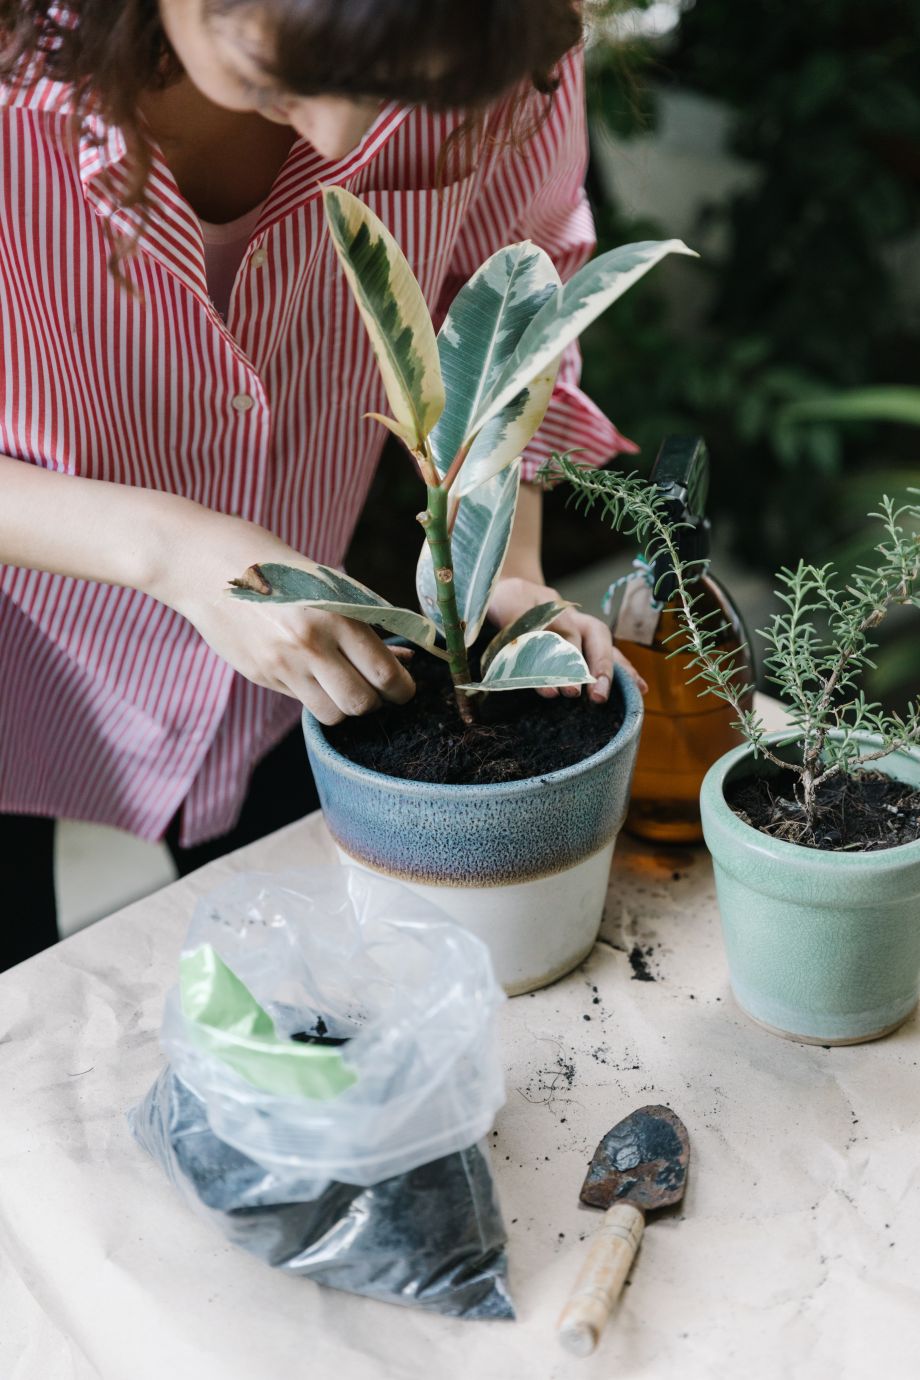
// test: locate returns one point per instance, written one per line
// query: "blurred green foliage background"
(811, 262)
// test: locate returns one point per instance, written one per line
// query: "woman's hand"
(336, 667)
(514, 595)
(185, 555)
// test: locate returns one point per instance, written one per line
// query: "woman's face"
(225, 56)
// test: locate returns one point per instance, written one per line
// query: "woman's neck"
(224, 161)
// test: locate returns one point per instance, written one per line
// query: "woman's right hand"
(333, 665)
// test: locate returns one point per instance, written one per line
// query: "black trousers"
(281, 791)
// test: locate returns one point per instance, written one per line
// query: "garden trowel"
(639, 1166)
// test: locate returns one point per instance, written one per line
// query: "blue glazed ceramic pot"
(822, 947)
(524, 864)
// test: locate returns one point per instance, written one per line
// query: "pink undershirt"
(224, 249)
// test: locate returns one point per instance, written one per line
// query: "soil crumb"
(641, 971)
(520, 733)
(865, 812)
(319, 1035)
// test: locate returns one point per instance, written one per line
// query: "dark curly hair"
(444, 53)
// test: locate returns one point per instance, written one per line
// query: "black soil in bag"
(432, 1238)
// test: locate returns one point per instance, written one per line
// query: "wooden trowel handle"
(601, 1280)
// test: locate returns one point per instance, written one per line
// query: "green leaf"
(320, 587)
(534, 620)
(893, 404)
(506, 435)
(478, 544)
(480, 333)
(394, 311)
(565, 315)
(535, 661)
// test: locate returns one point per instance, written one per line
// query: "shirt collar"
(169, 229)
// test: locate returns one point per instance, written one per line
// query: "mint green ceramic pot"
(822, 947)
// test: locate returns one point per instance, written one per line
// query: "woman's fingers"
(593, 639)
(567, 626)
(321, 705)
(597, 650)
(337, 668)
(630, 669)
(601, 655)
(378, 665)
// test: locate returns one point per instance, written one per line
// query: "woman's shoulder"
(30, 89)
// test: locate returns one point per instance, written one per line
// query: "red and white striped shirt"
(112, 707)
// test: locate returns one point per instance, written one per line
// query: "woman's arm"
(184, 555)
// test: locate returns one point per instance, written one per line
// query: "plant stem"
(434, 522)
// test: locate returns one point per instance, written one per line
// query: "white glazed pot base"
(536, 931)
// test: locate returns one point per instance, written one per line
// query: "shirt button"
(242, 402)
(259, 257)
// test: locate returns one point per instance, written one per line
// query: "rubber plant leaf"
(480, 333)
(534, 620)
(535, 661)
(479, 541)
(565, 315)
(505, 435)
(321, 587)
(231, 1025)
(393, 310)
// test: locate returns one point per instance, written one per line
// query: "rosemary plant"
(816, 648)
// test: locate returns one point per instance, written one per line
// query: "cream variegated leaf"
(534, 620)
(393, 310)
(535, 661)
(479, 335)
(320, 587)
(505, 436)
(479, 541)
(565, 315)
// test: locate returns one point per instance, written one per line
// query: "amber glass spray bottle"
(683, 733)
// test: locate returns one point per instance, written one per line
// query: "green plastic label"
(230, 1024)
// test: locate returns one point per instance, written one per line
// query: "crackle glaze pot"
(524, 864)
(822, 947)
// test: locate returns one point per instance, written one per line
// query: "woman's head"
(294, 60)
(458, 53)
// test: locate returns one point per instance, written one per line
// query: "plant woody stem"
(434, 523)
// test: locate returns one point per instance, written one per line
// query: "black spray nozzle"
(681, 475)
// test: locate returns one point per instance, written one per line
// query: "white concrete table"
(797, 1252)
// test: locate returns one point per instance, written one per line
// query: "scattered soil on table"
(520, 733)
(865, 812)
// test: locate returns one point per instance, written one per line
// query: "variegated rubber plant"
(465, 403)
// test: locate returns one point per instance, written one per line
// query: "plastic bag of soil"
(332, 1069)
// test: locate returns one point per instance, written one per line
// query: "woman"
(183, 377)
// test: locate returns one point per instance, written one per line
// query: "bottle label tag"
(637, 619)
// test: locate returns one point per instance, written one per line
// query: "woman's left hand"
(513, 596)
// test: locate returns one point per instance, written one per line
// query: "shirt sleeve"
(536, 192)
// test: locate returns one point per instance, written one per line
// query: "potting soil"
(519, 735)
(864, 812)
(432, 1238)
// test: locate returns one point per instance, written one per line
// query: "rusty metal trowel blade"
(643, 1161)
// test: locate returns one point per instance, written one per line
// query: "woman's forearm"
(523, 558)
(89, 528)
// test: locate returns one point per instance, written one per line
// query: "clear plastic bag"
(380, 1189)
